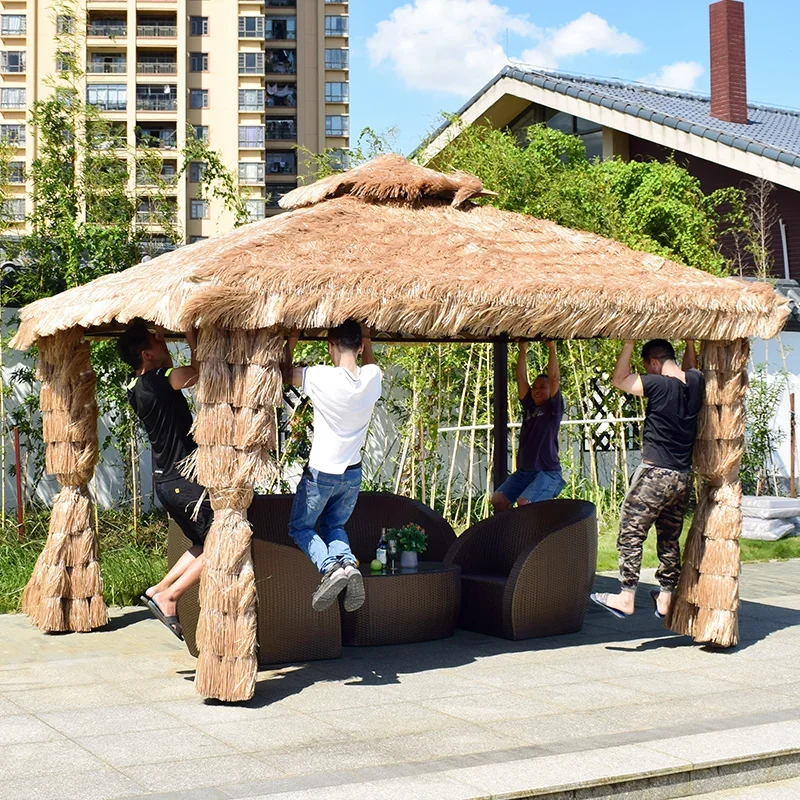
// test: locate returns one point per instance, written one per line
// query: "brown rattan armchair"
(289, 630)
(528, 572)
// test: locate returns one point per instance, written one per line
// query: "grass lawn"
(130, 561)
(133, 560)
(751, 550)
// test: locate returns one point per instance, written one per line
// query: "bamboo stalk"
(475, 402)
(458, 435)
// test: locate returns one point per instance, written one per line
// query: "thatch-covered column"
(65, 592)
(238, 388)
(707, 601)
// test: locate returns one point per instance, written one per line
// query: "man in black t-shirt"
(659, 489)
(156, 397)
(538, 474)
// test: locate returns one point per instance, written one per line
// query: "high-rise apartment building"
(257, 78)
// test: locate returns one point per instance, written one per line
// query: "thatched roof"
(402, 248)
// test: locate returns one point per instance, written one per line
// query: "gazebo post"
(707, 599)
(239, 386)
(500, 465)
(65, 591)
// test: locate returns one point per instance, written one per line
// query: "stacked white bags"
(770, 518)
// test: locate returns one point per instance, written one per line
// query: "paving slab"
(623, 707)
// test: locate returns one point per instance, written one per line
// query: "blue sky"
(412, 60)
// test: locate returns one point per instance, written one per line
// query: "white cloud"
(583, 35)
(457, 45)
(681, 75)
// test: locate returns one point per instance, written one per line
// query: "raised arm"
(523, 387)
(184, 377)
(689, 356)
(291, 374)
(553, 371)
(622, 377)
(367, 354)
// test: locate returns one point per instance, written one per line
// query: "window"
(251, 63)
(198, 62)
(281, 128)
(281, 162)
(198, 209)
(65, 61)
(157, 136)
(281, 28)
(107, 96)
(282, 61)
(201, 133)
(251, 100)
(251, 136)
(337, 125)
(16, 172)
(281, 95)
(337, 91)
(336, 58)
(65, 23)
(254, 208)
(276, 191)
(338, 159)
(196, 171)
(12, 98)
(12, 61)
(251, 27)
(13, 210)
(251, 172)
(198, 26)
(589, 132)
(198, 98)
(13, 25)
(336, 26)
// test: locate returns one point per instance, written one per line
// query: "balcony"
(106, 67)
(108, 30)
(157, 31)
(157, 98)
(157, 139)
(281, 95)
(281, 62)
(281, 163)
(280, 129)
(280, 3)
(155, 217)
(168, 179)
(276, 191)
(156, 68)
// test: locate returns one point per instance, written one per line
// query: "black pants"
(180, 497)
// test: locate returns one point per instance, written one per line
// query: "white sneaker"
(333, 581)
(354, 594)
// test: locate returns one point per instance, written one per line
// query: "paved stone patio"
(114, 714)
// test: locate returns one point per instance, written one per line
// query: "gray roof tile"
(771, 132)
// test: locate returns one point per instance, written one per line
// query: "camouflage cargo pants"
(656, 496)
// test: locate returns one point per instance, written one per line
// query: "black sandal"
(171, 622)
(654, 593)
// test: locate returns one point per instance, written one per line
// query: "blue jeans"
(328, 500)
(533, 486)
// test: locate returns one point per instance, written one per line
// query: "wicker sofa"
(289, 629)
(527, 572)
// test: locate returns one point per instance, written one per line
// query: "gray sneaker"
(354, 595)
(333, 581)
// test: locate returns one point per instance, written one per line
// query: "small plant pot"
(409, 560)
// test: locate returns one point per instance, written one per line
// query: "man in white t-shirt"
(343, 397)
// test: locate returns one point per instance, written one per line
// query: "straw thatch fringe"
(389, 177)
(65, 590)
(721, 422)
(234, 430)
(707, 598)
(395, 254)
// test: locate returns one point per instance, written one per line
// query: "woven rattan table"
(405, 606)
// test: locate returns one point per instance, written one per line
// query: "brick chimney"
(728, 67)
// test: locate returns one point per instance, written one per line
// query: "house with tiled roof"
(721, 139)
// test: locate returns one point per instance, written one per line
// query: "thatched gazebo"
(405, 250)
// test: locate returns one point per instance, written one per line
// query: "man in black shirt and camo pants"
(156, 397)
(660, 487)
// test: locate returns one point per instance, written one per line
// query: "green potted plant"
(412, 541)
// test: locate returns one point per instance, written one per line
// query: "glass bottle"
(380, 553)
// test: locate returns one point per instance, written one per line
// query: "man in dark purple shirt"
(538, 476)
